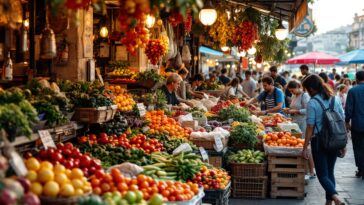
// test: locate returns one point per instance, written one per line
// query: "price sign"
(141, 109)
(182, 148)
(219, 146)
(230, 121)
(205, 156)
(46, 138)
(17, 163)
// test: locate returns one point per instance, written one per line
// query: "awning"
(210, 51)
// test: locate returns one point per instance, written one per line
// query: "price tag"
(230, 121)
(141, 109)
(185, 147)
(17, 163)
(145, 129)
(46, 138)
(205, 156)
(218, 143)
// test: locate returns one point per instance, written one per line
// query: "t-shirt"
(171, 97)
(249, 87)
(271, 99)
(280, 80)
(224, 80)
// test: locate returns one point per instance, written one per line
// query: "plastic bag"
(170, 35)
(186, 54)
(128, 169)
(178, 60)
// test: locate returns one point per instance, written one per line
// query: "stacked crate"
(249, 180)
(287, 175)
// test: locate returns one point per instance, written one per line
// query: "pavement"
(350, 188)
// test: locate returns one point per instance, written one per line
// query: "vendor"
(271, 99)
(181, 91)
(233, 89)
(192, 88)
(172, 84)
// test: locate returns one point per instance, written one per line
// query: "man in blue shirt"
(222, 78)
(354, 112)
(272, 98)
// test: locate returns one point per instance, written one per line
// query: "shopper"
(304, 71)
(249, 85)
(332, 75)
(231, 90)
(327, 81)
(297, 111)
(348, 83)
(341, 93)
(276, 77)
(286, 76)
(271, 99)
(196, 82)
(324, 160)
(222, 78)
(354, 113)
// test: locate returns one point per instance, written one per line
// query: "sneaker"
(359, 174)
(313, 176)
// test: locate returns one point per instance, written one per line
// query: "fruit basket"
(61, 200)
(208, 144)
(217, 196)
(95, 115)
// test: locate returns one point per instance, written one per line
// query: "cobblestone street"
(350, 188)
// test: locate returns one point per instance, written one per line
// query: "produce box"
(196, 200)
(217, 196)
(248, 169)
(94, 115)
(64, 133)
(271, 150)
(241, 146)
(217, 159)
(288, 185)
(286, 163)
(251, 188)
(208, 144)
(190, 124)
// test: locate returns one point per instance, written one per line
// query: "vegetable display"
(284, 139)
(234, 113)
(171, 143)
(181, 166)
(244, 133)
(130, 198)
(211, 178)
(150, 75)
(247, 156)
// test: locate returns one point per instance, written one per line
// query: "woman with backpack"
(322, 98)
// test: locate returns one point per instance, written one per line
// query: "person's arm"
(240, 90)
(259, 98)
(311, 120)
(279, 101)
(349, 109)
(304, 100)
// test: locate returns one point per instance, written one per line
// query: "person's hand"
(260, 112)
(286, 110)
(348, 126)
(305, 153)
(294, 111)
(343, 152)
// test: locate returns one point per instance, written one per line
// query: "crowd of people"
(304, 99)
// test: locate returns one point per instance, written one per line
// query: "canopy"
(314, 58)
(353, 57)
(210, 51)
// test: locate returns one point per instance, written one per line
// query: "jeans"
(324, 164)
(358, 147)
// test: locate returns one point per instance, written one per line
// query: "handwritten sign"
(46, 139)
(205, 156)
(182, 148)
(141, 109)
(219, 146)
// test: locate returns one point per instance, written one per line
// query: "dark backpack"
(333, 135)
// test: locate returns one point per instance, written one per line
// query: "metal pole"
(32, 6)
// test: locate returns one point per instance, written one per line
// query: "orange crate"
(251, 188)
(248, 169)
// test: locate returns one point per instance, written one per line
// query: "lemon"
(46, 165)
(77, 183)
(51, 188)
(60, 178)
(67, 190)
(78, 192)
(76, 173)
(32, 176)
(45, 175)
(36, 188)
(68, 173)
(59, 168)
(32, 164)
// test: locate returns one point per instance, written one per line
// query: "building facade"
(356, 36)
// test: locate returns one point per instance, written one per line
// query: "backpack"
(333, 135)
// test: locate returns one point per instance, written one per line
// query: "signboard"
(305, 28)
(46, 139)
(299, 15)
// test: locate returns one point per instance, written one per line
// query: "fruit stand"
(74, 134)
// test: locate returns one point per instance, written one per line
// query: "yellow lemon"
(78, 192)
(51, 188)
(32, 164)
(45, 175)
(36, 188)
(46, 165)
(59, 168)
(76, 173)
(61, 178)
(32, 176)
(67, 190)
(77, 183)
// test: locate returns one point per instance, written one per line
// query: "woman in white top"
(298, 111)
(233, 89)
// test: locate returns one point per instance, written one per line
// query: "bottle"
(8, 68)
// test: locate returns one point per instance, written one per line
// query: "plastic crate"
(248, 169)
(217, 196)
(251, 188)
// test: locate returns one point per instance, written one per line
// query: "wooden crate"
(286, 163)
(250, 187)
(288, 190)
(208, 144)
(95, 115)
(287, 178)
(248, 169)
(217, 159)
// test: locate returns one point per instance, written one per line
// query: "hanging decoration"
(154, 50)
(245, 34)
(187, 23)
(220, 29)
(78, 4)
(175, 18)
(133, 15)
(258, 58)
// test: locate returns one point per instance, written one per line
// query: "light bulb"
(150, 21)
(26, 23)
(281, 32)
(252, 50)
(225, 48)
(242, 54)
(208, 16)
(104, 32)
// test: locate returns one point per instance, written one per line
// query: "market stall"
(87, 123)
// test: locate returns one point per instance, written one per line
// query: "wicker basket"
(148, 84)
(208, 144)
(248, 169)
(95, 115)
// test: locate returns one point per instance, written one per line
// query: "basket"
(217, 196)
(147, 84)
(64, 133)
(248, 169)
(61, 200)
(94, 115)
(208, 144)
(251, 188)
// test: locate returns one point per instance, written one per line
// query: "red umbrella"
(314, 58)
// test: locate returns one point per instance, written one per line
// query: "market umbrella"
(314, 58)
(352, 57)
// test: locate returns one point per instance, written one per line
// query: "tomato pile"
(212, 178)
(160, 123)
(284, 139)
(139, 141)
(245, 35)
(188, 22)
(70, 157)
(154, 50)
(170, 190)
(272, 121)
(53, 181)
(216, 109)
(132, 19)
